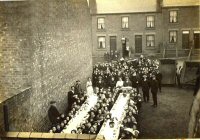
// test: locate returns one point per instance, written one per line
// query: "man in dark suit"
(71, 98)
(154, 90)
(112, 83)
(77, 87)
(145, 88)
(100, 83)
(159, 79)
(127, 82)
(53, 113)
(135, 81)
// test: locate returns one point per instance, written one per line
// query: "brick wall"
(137, 26)
(188, 20)
(57, 49)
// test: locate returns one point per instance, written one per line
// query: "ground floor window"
(150, 41)
(101, 42)
(172, 36)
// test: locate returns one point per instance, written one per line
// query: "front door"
(185, 39)
(138, 43)
(196, 40)
(113, 44)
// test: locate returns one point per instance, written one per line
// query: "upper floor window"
(150, 21)
(172, 36)
(124, 22)
(101, 23)
(150, 40)
(173, 16)
(101, 42)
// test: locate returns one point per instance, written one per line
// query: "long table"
(81, 115)
(118, 112)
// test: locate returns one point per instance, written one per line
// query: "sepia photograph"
(99, 69)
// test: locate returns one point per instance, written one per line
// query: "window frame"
(100, 23)
(149, 40)
(176, 16)
(176, 36)
(122, 22)
(150, 21)
(98, 47)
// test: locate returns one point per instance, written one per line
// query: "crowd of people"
(76, 97)
(106, 82)
(99, 113)
(136, 73)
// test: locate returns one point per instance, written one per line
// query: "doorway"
(113, 46)
(125, 47)
(185, 39)
(196, 39)
(138, 43)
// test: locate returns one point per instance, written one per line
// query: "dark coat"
(77, 89)
(159, 76)
(145, 85)
(71, 99)
(135, 81)
(127, 83)
(53, 113)
(154, 86)
(112, 84)
(100, 84)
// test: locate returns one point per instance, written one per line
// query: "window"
(173, 16)
(101, 23)
(150, 21)
(101, 42)
(150, 40)
(172, 36)
(124, 22)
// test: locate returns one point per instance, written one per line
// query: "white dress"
(119, 83)
(89, 88)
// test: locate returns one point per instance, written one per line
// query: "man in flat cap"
(145, 88)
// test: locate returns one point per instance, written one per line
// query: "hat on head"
(52, 102)
(144, 75)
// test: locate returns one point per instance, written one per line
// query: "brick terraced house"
(144, 27)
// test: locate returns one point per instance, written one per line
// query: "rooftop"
(175, 3)
(135, 6)
(125, 6)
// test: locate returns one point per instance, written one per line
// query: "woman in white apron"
(89, 87)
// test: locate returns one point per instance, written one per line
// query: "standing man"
(154, 90)
(135, 81)
(178, 76)
(77, 87)
(127, 82)
(71, 98)
(53, 113)
(100, 83)
(159, 79)
(145, 88)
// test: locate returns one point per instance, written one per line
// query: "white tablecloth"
(118, 112)
(81, 115)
